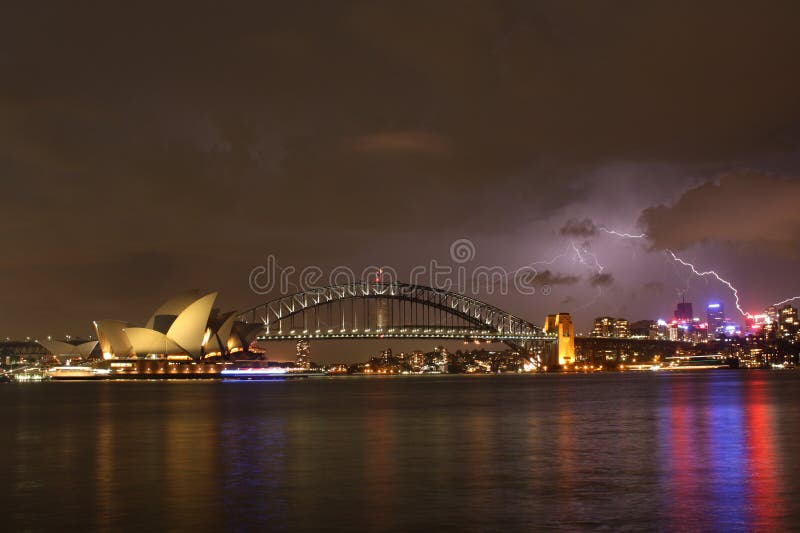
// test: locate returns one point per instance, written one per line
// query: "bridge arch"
(365, 310)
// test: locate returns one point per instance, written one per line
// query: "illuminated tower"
(303, 354)
(684, 311)
(561, 324)
(715, 316)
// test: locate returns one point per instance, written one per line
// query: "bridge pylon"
(561, 325)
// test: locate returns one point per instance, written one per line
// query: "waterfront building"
(69, 349)
(186, 327)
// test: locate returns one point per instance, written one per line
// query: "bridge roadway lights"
(482, 337)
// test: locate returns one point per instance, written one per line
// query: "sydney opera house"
(79, 349)
(187, 327)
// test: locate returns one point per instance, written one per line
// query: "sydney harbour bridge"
(379, 310)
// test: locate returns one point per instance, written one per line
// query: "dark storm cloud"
(546, 277)
(653, 287)
(749, 208)
(601, 280)
(401, 142)
(111, 288)
(579, 228)
(321, 130)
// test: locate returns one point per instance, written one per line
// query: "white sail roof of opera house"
(146, 341)
(112, 337)
(186, 325)
(172, 308)
(189, 329)
(83, 349)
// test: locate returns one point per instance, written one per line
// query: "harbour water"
(694, 450)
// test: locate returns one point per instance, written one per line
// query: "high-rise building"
(673, 332)
(684, 311)
(621, 328)
(603, 327)
(787, 321)
(645, 329)
(715, 317)
(606, 326)
(772, 313)
(771, 325)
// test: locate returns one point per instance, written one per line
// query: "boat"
(695, 362)
(265, 373)
(4, 378)
(64, 373)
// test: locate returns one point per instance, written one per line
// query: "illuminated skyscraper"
(715, 317)
(787, 321)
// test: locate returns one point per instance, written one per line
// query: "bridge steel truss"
(409, 311)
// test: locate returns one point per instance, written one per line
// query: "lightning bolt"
(694, 269)
(618, 234)
(580, 255)
(713, 274)
(786, 301)
(685, 263)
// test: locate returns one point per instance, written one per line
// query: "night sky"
(147, 148)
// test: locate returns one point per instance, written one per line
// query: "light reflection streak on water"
(765, 496)
(727, 454)
(719, 467)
